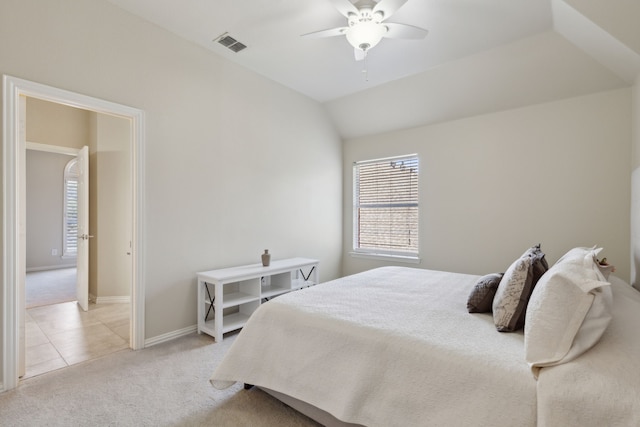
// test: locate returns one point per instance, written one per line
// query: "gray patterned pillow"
(514, 291)
(510, 302)
(481, 297)
(516, 286)
(539, 263)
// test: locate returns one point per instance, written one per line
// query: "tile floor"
(60, 335)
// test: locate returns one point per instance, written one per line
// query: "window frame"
(381, 252)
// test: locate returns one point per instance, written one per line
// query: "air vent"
(230, 43)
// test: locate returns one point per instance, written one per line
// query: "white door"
(82, 280)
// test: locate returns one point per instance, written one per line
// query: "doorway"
(63, 323)
(14, 146)
(51, 204)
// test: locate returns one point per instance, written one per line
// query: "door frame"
(12, 173)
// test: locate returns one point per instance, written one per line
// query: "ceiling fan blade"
(359, 54)
(404, 31)
(388, 7)
(332, 32)
(345, 7)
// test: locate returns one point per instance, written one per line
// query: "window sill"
(387, 257)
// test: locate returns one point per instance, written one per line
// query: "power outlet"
(54, 252)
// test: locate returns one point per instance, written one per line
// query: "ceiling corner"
(595, 41)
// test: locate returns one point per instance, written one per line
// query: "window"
(70, 216)
(385, 213)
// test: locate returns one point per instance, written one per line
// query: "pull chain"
(365, 70)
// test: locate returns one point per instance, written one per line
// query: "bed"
(397, 346)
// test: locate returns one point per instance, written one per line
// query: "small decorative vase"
(266, 258)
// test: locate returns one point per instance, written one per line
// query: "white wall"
(234, 162)
(493, 185)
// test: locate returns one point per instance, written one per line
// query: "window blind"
(71, 217)
(70, 243)
(386, 206)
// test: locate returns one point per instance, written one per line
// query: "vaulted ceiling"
(478, 57)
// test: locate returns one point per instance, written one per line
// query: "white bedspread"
(388, 347)
(602, 386)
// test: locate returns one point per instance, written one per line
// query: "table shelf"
(238, 298)
(234, 321)
(269, 292)
(227, 297)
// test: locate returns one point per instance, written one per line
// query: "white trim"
(170, 336)
(52, 148)
(384, 159)
(125, 299)
(386, 257)
(50, 267)
(13, 89)
(10, 235)
(381, 252)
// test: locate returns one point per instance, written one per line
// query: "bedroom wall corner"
(635, 185)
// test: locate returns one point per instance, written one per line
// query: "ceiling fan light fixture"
(367, 24)
(365, 35)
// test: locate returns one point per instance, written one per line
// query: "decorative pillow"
(539, 263)
(568, 312)
(605, 268)
(514, 291)
(510, 300)
(481, 297)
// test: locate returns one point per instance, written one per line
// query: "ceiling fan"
(366, 24)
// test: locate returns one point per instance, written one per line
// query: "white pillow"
(569, 310)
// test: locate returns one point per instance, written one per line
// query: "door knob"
(84, 237)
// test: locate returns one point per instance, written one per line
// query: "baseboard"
(50, 267)
(2, 390)
(111, 300)
(170, 336)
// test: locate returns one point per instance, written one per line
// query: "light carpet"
(50, 287)
(164, 385)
